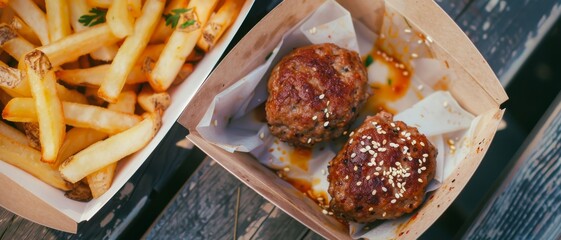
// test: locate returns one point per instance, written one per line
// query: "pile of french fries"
(83, 82)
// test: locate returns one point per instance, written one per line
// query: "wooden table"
(208, 203)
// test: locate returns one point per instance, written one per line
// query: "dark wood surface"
(205, 206)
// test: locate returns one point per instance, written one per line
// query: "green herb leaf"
(369, 60)
(96, 17)
(389, 81)
(173, 18)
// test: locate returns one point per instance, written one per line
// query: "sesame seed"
(362, 150)
(325, 110)
(347, 177)
(323, 171)
(445, 104)
(309, 140)
(326, 124)
(355, 168)
(370, 164)
(419, 171)
(385, 189)
(376, 173)
(351, 141)
(371, 152)
(368, 177)
(353, 155)
(321, 96)
(313, 30)
(393, 201)
(420, 41)
(397, 163)
(381, 149)
(368, 147)
(405, 73)
(358, 183)
(394, 145)
(287, 169)
(381, 163)
(420, 87)
(422, 144)
(324, 211)
(352, 133)
(261, 135)
(315, 118)
(429, 39)
(420, 180)
(215, 122)
(328, 102)
(425, 155)
(392, 124)
(414, 55)
(383, 215)
(384, 142)
(378, 168)
(413, 142)
(424, 168)
(407, 30)
(326, 115)
(371, 209)
(330, 213)
(373, 192)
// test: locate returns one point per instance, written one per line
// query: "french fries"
(130, 50)
(93, 76)
(119, 18)
(75, 115)
(180, 44)
(49, 109)
(110, 150)
(29, 160)
(33, 16)
(219, 22)
(58, 19)
(71, 47)
(112, 89)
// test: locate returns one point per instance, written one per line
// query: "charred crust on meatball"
(382, 172)
(314, 94)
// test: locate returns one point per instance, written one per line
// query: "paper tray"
(475, 87)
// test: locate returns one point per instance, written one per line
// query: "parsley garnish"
(369, 60)
(390, 81)
(96, 17)
(173, 18)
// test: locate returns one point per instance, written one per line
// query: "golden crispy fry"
(73, 46)
(119, 18)
(180, 44)
(76, 140)
(58, 19)
(153, 102)
(100, 3)
(100, 181)
(29, 160)
(33, 16)
(130, 50)
(125, 103)
(93, 77)
(14, 134)
(49, 109)
(219, 22)
(110, 150)
(12, 43)
(69, 95)
(24, 30)
(162, 31)
(80, 8)
(75, 114)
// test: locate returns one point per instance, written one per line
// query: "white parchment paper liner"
(230, 123)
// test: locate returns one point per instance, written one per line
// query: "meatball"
(315, 92)
(382, 171)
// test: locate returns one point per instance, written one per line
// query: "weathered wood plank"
(311, 235)
(528, 203)
(506, 32)
(280, 225)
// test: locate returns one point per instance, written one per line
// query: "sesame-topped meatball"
(315, 92)
(382, 171)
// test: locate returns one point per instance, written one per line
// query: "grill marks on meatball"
(382, 171)
(314, 94)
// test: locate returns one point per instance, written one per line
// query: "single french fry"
(69, 95)
(12, 133)
(153, 102)
(42, 81)
(219, 22)
(100, 3)
(29, 160)
(119, 18)
(80, 8)
(12, 43)
(162, 31)
(125, 103)
(73, 46)
(58, 19)
(110, 150)
(180, 44)
(100, 181)
(24, 30)
(130, 50)
(75, 114)
(93, 76)
(33, 16)
(76, 140)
